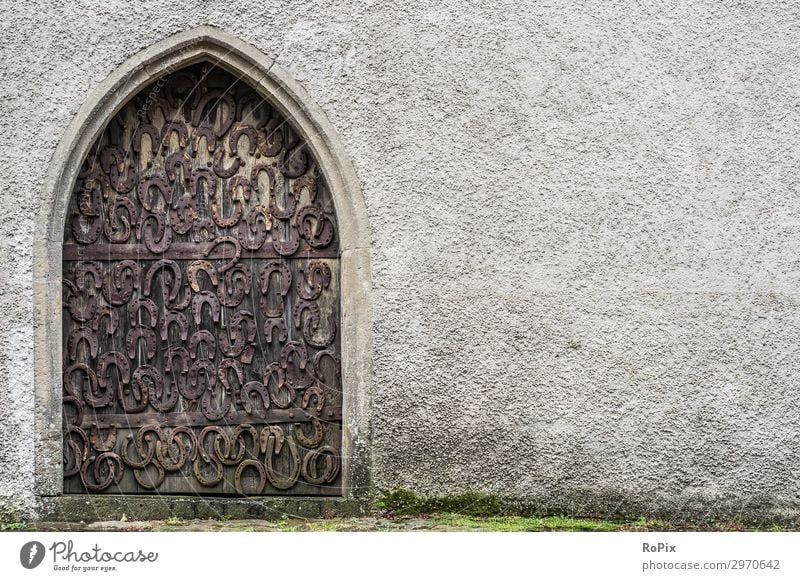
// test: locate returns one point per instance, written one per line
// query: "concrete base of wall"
(90, 508)
(700, 509)
(687, 510)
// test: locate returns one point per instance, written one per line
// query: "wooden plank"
(185, 251)
(151, 191)
(192, 419)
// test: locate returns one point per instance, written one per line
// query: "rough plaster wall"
(584, 224)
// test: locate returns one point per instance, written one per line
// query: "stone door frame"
(270, 80)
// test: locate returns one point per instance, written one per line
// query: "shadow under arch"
(204, 43)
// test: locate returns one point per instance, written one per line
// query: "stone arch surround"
(260, 72)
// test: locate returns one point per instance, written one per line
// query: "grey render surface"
(583, 227)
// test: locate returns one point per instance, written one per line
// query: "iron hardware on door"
(201, 301)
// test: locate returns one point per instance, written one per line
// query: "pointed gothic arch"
(210, 45)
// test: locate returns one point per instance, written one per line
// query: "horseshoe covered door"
(201, 301)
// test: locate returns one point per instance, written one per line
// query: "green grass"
(449, 521)
(455, 522)
(445, 521)
(12, 526)
(549, 523)
(519, 523)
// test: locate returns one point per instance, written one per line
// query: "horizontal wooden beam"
(186, 251)
(197, 419)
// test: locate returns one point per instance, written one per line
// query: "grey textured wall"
(584, 230)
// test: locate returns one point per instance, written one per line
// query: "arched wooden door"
(201, 301)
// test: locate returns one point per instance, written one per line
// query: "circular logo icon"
(31, 554)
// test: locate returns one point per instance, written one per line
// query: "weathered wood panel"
(201, 302)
